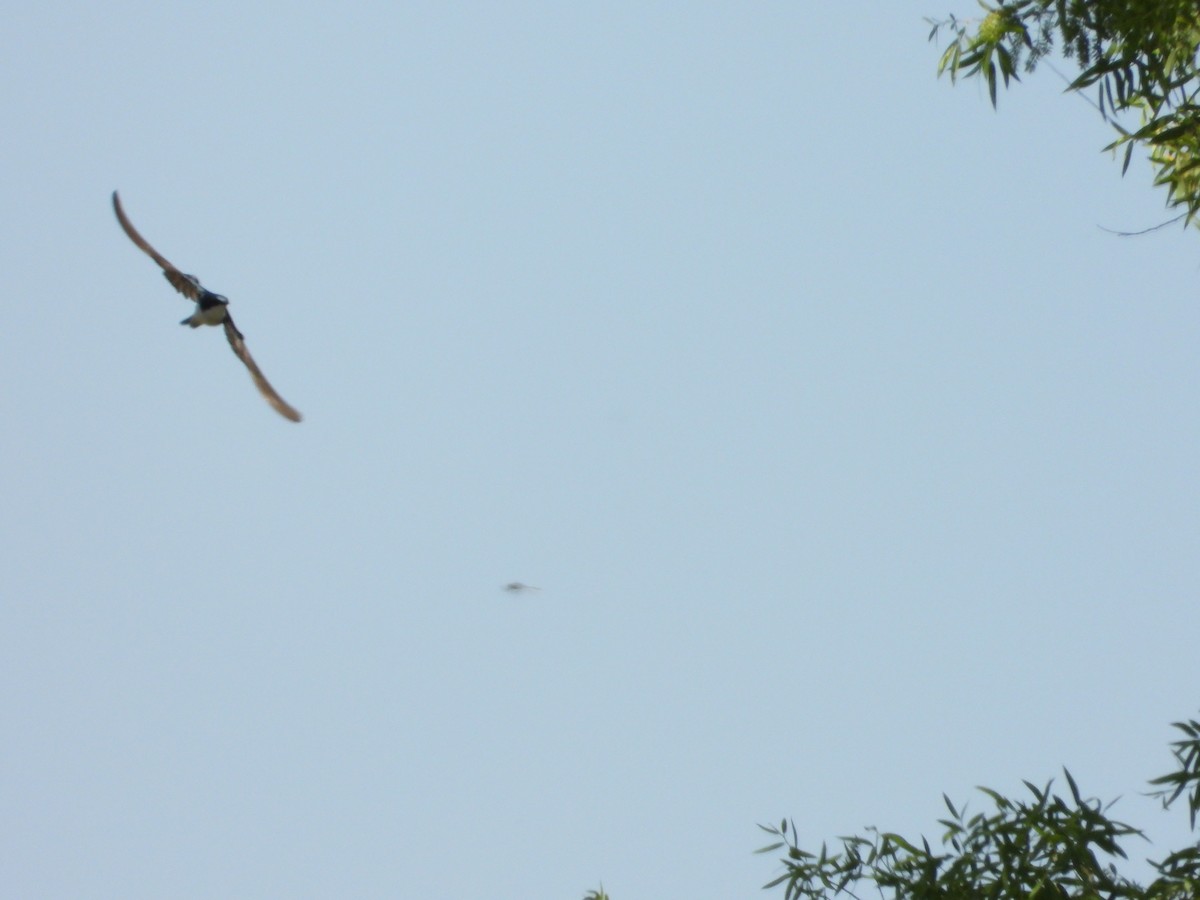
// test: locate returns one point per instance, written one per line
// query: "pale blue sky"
(855, 463)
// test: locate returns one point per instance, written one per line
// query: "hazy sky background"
(854, 461)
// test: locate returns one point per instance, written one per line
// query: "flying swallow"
(515, 587)
(211, 309)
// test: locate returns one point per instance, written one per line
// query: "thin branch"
(1067, 81)
(1144, 230)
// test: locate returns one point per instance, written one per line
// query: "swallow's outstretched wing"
(185, 284)
(238, 343)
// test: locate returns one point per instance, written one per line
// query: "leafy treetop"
(1044, 846)
(1139, 57)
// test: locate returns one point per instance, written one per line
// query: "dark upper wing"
(185, 284)
(238, 343)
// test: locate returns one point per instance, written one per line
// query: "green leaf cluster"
(1037, 847)
(1139, 57)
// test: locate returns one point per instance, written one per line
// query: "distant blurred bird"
(515, 587)
(211, 309)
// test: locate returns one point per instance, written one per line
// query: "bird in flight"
(515, 587)
(211, 309)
